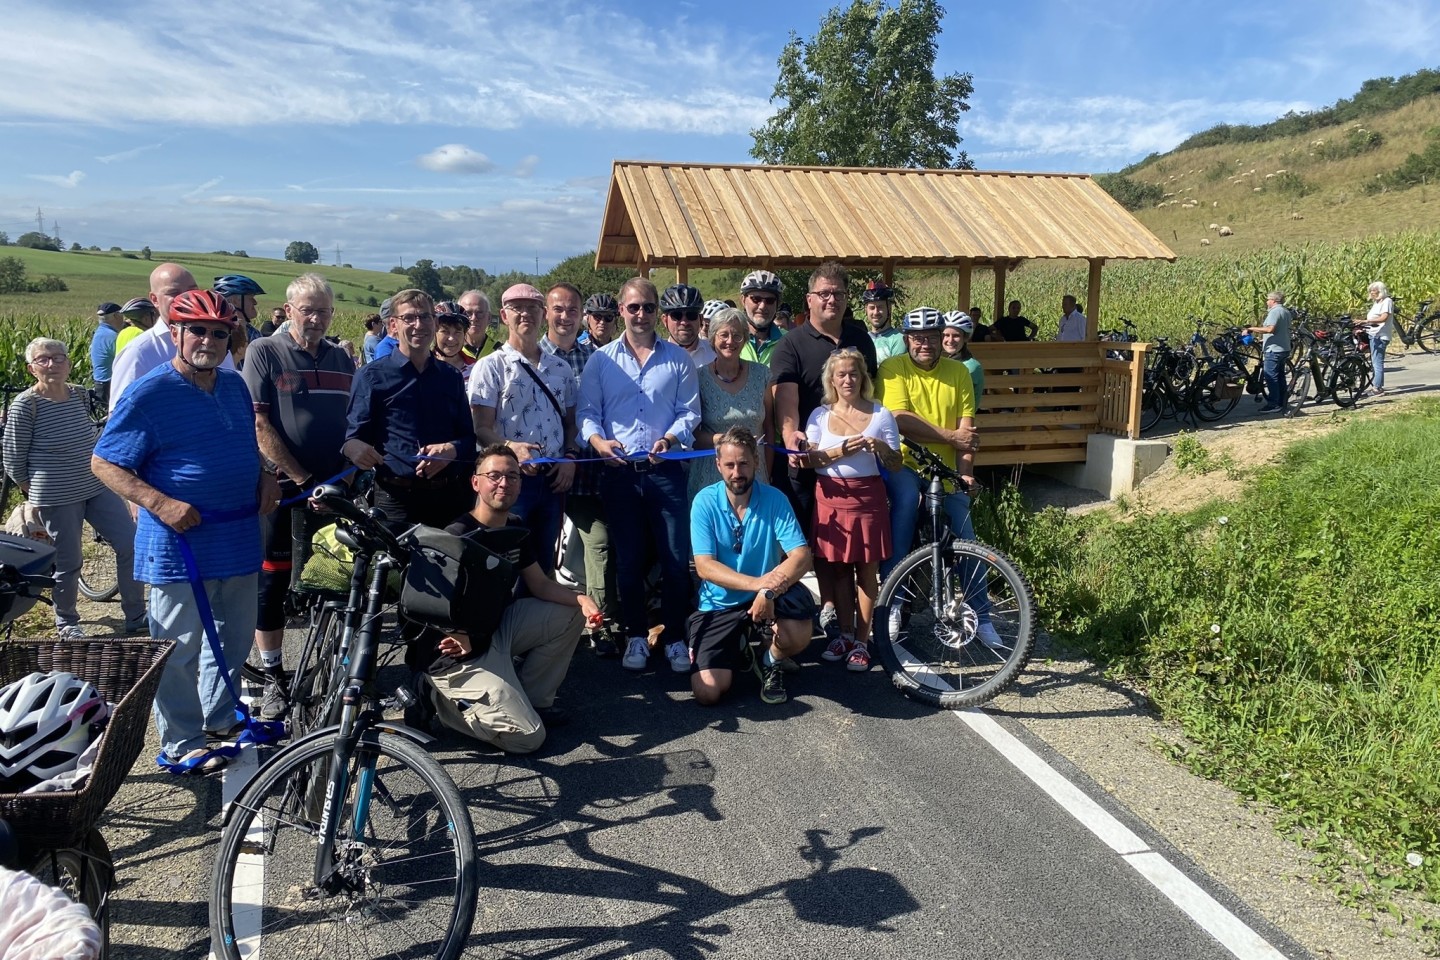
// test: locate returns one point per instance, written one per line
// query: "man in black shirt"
(409, 421)
(1014, 327)
(477, 691)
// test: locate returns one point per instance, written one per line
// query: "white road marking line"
(248, 889)
(1199, 906)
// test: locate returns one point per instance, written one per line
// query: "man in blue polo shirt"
(181, 444)
(750, 555)
(409, 422)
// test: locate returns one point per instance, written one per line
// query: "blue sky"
(483, 132)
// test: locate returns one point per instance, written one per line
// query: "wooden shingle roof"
(722, 215)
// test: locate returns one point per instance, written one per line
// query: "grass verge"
(1293, 633)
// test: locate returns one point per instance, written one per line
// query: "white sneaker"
(986, 634)
(679, 656)
(637, 654)
(71, 631)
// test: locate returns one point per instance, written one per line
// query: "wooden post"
(682, 273)
(1092, 300)
(963, 276)
(1001, 269)
(888, 272)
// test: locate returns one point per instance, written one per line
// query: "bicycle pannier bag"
(454, 583)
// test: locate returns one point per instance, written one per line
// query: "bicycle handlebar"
(336, 499)
(930, 463)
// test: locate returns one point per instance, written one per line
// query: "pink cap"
(521, 291)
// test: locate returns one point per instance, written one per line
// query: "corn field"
(1325, 278)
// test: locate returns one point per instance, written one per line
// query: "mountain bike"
(1168, 385)
(366, 846)
(930, 614)
(1332, 364)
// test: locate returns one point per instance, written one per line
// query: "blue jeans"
(649, 512)
(903, 487)
(1377, 361)
(543, 512)
(192, 697)
(1277, 391)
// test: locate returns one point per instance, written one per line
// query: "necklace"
(724, 379)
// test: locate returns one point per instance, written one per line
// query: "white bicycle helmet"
(46, 721)
(921, 320)
(762, 281)
(713, 307)
(959, 320)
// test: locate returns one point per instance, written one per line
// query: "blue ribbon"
(256, 731)
(305, 493)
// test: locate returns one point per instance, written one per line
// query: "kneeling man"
(750, 555)
(481, 694)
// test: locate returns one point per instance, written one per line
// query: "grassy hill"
(95, 277)
(1325, 183)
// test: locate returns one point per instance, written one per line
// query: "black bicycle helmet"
(235, 285)
(602, 305)
(678, 297)
(876, 290)
(921, 320)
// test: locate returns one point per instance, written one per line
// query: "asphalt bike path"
(847, 822)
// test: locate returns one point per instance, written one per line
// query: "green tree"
(145, 253)
(75, 245)
(301, 251)
(580, 270)
(4, 239)
(12, 275)
(36, 241)
(424, 276)
(863, 93)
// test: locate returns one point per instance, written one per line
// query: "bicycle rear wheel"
(1213, 397)
(99, 580)
(1427, 335)
(404, 846)
(1299, 391)
(927, 626)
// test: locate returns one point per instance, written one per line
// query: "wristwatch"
(768, 594)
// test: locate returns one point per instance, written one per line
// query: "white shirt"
(1072, 326)
(149, 350)
(703, 353)
(522, 410)
(1381, 331)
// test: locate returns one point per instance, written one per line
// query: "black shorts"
(717, 635)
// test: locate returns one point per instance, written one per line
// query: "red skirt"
(852, 520)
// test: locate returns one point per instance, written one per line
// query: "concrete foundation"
(1113, 465)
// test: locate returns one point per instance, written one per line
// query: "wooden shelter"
(690, 215)
(693, 215)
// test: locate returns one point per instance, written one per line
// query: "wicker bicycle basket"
(127, 672)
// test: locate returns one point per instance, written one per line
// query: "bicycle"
(1332, 363)
(1424, 331)
(55, 835)
(1125, 334)
(1167, 391)
(361, 833)
(931, 608)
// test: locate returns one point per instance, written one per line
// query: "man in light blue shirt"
(102, 346)
(750, 555)
(640, 394)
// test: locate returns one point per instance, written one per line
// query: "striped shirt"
(48, 445)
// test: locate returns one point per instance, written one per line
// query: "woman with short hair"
(49, 438)
(733, 393)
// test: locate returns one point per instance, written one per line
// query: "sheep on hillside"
(1226, 232)
(1204, 241)
(1214, 226)
(1297, 216)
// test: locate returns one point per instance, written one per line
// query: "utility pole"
(337, 254)
(39, 221)
(55, 233)
(537, 263)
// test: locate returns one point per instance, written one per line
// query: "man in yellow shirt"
(139, 315)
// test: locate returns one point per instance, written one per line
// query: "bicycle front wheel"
(1213, 396)
(957, 633)
(1427, 335)
(1349, 379)
(85, 874)
(404, 859)
(99, 579)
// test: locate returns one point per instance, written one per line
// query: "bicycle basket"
(127, 672)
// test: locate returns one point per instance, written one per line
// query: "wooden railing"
(1043, 400)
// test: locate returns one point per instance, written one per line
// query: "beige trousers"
(486, 699)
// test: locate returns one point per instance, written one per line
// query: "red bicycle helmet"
(200, 306)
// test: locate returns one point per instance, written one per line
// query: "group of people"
(750, 452)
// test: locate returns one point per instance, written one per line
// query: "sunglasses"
(683, 316)
(603, 317)
(739, 535)
(637, 308)
(196, 330)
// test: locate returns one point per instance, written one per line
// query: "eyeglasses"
(316, 312)
(762, 298)
(829, 294)
(196, 330)
(638, 308)
(49, 360)
(683, 316)
(525, 309)
(497, 478)
(413, 319)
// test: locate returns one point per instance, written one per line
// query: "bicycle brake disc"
(957, 626)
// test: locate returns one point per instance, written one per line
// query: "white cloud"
(69, 181)
(526, 166)
(212, 182)
(455, 158)
(364, 69)
(130, 154)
